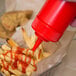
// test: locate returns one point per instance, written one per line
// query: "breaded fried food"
(11, 20)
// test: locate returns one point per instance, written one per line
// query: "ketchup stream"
(37, 43)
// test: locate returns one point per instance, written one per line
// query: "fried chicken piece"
(11, 20)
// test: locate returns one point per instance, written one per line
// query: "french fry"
(29, 70)
(23, 67)
(26, 59)
(20, 64)
(46, 54)
(1, 51)
(26, 38)
(6, 58)
(15, 71)
(11, 42)
(29, 52)
(20, 50)
(7, 73)
(12, 75)
(5, 47)
(33, 40)
(1, 68)
(15, 49)
(30, 42)
(11, 56)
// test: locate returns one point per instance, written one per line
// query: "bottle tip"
(37, 43)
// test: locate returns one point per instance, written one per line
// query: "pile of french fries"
(17, 61)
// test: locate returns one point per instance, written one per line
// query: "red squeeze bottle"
(53, 19)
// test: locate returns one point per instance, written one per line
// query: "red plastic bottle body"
(53, 19)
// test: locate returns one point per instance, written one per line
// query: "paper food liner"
(58, 50)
